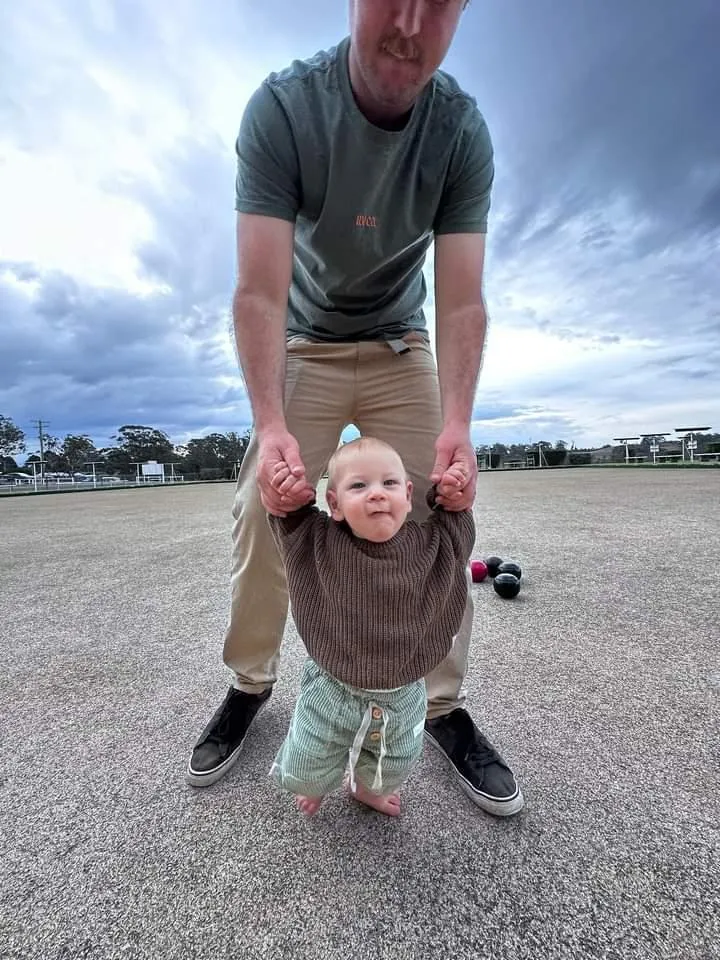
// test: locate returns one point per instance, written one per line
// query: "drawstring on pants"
(358, 742)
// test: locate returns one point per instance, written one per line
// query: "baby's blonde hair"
(355, 448)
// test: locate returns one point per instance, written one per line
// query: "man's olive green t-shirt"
(366, 202)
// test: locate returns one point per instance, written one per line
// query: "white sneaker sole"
(499, 807)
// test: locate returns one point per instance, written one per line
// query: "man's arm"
(265, 251)
(461, 324)
(267, 199)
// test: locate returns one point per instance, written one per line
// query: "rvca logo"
(364, 220)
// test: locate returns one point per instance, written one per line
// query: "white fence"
(55, 484)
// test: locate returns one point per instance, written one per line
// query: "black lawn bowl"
(509, 566)
(493, 563)
(506, 585)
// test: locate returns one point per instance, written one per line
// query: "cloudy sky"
(117, 128)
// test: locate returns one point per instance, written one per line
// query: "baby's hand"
(294, 491)
(452, 482)
(455, 476)
(281, 471)
(455, 470)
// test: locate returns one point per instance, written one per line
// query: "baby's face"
(372, 494)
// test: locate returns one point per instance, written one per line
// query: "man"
(349, 165)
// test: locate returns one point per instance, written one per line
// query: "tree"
(12, 441)
(52, 456)
(116, 460)
(76, 451)
(215, 455)
(239, 443)
(556, 457)
(517, 451)
(138, 444)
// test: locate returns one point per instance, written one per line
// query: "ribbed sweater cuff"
(430, 498)
(293, 520)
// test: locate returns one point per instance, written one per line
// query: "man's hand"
(455, 469)
(281, 474)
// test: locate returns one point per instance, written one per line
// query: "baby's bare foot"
(308, 805)
(388, 804)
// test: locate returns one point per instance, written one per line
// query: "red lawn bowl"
(479, 570)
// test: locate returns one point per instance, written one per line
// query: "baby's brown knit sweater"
(376, 615)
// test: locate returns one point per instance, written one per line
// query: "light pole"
(541, 455)
(689, 439)
(626, 441)
(655, 440)
(42, 463)
(93, 462)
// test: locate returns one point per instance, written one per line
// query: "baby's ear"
(409, 491)
(332, 500)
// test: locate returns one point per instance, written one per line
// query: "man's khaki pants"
(387, 394)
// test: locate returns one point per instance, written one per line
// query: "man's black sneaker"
(222, 739)
(482, 772)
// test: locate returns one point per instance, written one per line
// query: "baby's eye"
(357, 485)
(390, 483)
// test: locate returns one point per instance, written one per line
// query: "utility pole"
(40, 424)
(655, 440)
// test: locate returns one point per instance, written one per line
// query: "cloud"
(117, 125)
(592, 100)
(109, 357)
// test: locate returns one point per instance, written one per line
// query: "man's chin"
(395, 93)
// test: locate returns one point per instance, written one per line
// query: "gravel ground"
(600, 684)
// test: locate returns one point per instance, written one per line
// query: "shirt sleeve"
(458, 525)
(465, 202)
(267, 180)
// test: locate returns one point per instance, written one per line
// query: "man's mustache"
(401, 47)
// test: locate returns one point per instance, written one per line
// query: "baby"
(377, 599)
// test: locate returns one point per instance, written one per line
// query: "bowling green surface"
(600, 683)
